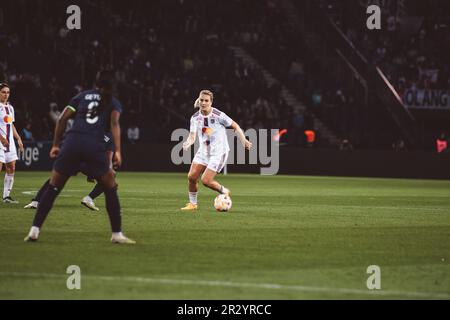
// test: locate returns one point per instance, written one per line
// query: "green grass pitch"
(286, 237)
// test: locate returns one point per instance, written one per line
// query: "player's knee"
(108, 181)
(206, 181)
(192, 178)
(114, 187)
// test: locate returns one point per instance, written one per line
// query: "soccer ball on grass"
(222, 203)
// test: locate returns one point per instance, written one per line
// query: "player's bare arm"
(189, 141)
(18, 139)
(59, 130)
(247, 144)
(115, 132)
(4, 141)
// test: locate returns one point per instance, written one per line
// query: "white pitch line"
(268, 286)
(312, 205)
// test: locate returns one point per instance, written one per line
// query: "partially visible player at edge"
(209, 124)
(93, 110)
(8, 152)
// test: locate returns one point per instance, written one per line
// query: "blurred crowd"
(413, 45)
(163, 53)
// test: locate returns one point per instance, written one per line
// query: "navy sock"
(113, 208)
(98, 190)
(41, 191)
(45, 205)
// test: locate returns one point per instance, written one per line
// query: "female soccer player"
(93, 110)
(8, 152)
(209, 125)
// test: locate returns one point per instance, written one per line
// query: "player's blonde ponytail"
(197, 103)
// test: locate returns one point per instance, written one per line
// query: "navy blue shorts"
(78, 149)
(109, 142)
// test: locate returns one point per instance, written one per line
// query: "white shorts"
(214, 163)
(10, 156)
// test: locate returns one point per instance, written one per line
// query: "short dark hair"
(4, 85)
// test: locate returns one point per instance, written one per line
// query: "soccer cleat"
(190, 206)
(31, 238)
(122, 240)
(32, 205)
(226, 192)
(10, 200)
(89, 203)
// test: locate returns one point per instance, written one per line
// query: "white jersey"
(211, 131)
(7, 119)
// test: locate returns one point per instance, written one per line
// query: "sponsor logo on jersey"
(208, 131)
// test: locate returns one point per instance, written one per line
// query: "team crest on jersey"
(7, 119)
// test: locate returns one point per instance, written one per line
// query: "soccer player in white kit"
(209, 124)
(8, 152)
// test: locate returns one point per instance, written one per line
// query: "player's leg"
(57, 182)
(2, 157)
(209, 181)
(198, 165)
(88, 200)
(215, 165)
(110, 187)
(35, 201)
(10, 168)
(66, 165)
(98, 189)
(193, 176)
(98, 167)
(1, 163)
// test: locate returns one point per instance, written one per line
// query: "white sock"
(223, 190)
(8, 184)
(34, 231)
(193, 197)
(117, 235)
(89, 199)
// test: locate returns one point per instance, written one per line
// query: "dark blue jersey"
(91, 117)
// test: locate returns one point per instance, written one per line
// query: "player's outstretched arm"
(17, 136)
(59, 130)
(247, 144)
(189, 141)
(115, 132)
